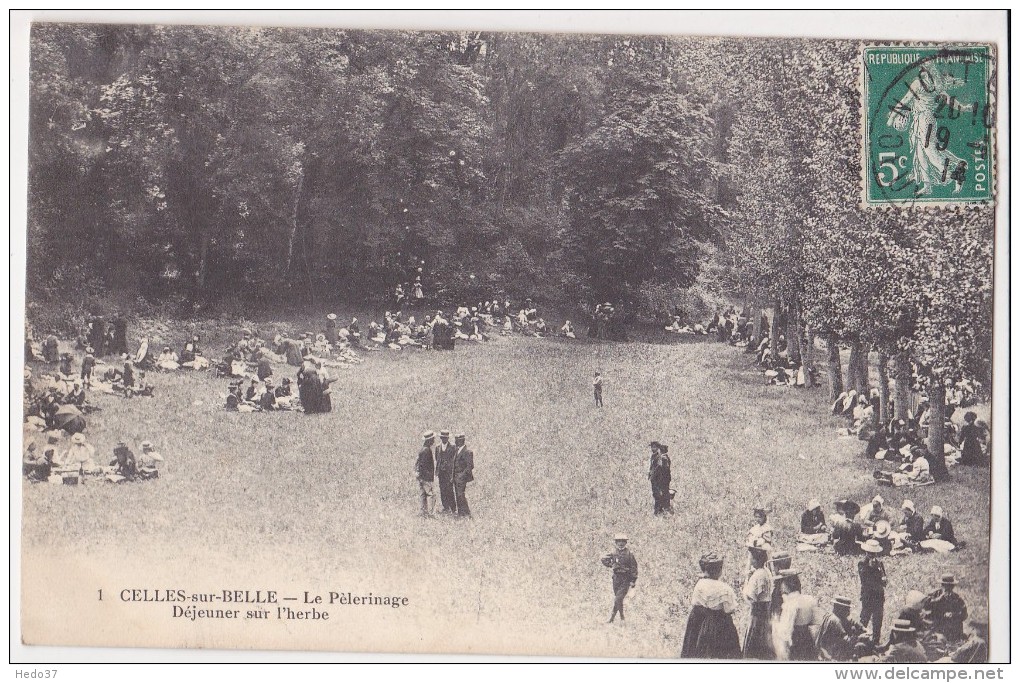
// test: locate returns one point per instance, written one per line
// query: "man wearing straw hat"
(873, 581)
(625, 573)
(463, 473)
(903, 647)
(948, 610)
(444, 471)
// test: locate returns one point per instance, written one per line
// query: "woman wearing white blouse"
(710, 631)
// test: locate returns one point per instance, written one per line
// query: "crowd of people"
(783, 622)
(58, 458)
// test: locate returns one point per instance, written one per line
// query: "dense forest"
(197, 165)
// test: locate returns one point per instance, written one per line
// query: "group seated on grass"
(57, 457)
(786, 623)
(850, 526)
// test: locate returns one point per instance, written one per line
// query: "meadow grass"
(331, 500)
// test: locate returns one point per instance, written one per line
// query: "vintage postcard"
(555, 342)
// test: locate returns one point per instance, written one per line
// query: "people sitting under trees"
(168, 360)
(915, 473)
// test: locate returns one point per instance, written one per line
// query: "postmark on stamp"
(928, 117)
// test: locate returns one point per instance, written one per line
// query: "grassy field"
(329, 501)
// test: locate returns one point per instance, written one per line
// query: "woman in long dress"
(710, 631)
(758, 593)
(792, 635)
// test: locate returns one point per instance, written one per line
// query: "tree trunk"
(857, 368)
(903, 382)
(936, 430)
(807, 354)
(864, 370)
(793, 334)
(774, 331)
(835, 368)
(293, 224)
(756, 329)
(883, 388)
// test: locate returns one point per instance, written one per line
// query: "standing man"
(597, 384)
(873, 580)
(120, 335)
(425, 470)
(660, 474)
(463, 472)
(88, 366)
(625, 572)
(331, 333)
(444, 471)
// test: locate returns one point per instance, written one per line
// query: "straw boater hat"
(908, 505)
(78, 439)
(882, 529)
(146, 445)
(903, 626)
(620, 537)
(948, 580)
(428, 435)
(936, 510)
(871, 546)
(842, 602)
(331, 316)
(813, 504)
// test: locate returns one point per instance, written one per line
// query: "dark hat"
(444, 434)
(286, 380)
(840, 601)
(948, 580)
(710, 561)
(654, 444)
(781, 561)
(664, 447)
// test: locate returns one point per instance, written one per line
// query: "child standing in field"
(597, 384)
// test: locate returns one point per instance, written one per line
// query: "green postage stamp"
(928, 119)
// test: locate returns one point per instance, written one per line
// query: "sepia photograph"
(553, 342)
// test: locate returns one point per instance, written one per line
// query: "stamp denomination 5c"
(928, 117)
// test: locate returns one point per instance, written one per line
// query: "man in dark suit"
(444, 471)
(425, 470)
(660, 474)
(463, 472)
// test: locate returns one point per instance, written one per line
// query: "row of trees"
(288, 165)
(913, 285)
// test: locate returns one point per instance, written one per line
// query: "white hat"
(908, 505)
(813, 503)
(878, 499)
(936, 510)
